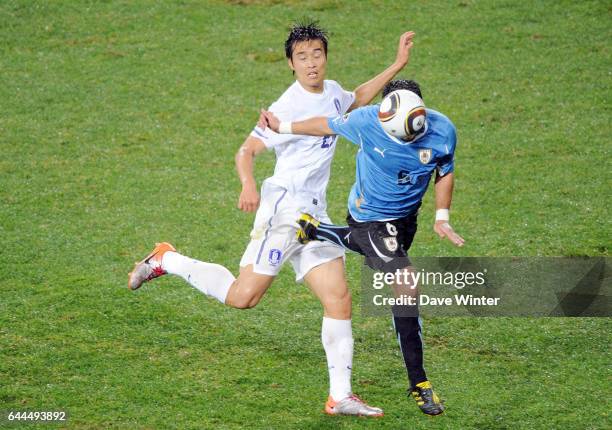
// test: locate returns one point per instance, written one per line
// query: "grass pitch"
(118, 125)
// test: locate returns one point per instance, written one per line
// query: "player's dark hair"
(402, 84)
(302, 32)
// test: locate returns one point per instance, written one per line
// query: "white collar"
(310, 93)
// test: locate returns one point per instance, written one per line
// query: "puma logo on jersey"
(382, 153)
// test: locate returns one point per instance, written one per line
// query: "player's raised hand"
(261, 122)
(249, 198)
(270, 120)
(403, 49)
(444, 230)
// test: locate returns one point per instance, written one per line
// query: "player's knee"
(247, 299)
(243, 303)
(342, 297)
(246, 305)
(338, 306)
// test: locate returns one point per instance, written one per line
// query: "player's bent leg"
(408, 328)
(211, 279)
(338, 234)
(248, 289)
(383, 253)
(312, 229)
(328, 283)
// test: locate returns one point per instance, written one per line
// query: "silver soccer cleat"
(351, 405)
(150, 267)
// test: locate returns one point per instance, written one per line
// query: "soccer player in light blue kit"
(391, 179)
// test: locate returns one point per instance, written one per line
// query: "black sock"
(408, 330)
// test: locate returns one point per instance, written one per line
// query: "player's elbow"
(245, 152)
(237, 158)
(361, 99)
(249, 149)
(364, 94)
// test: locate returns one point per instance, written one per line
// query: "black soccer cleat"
(308, 228)
(426, 399)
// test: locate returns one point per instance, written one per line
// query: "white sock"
(213, 280)
(337, 338)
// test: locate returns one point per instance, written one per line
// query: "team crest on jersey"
(424, 155)
(391, 229)
(338, 107)
(274, 257)
(391, 243)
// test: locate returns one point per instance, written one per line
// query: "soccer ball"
(402, 114)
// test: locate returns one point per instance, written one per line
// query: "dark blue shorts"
(384, 244)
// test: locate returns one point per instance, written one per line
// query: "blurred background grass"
(118, 125)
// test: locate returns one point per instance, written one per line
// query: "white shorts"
(273, 238)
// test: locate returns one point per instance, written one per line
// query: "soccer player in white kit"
(298, 185)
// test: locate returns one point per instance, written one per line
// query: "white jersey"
(303, 163)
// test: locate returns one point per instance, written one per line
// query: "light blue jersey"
(392, 175)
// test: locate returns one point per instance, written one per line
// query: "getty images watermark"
(526, 286)
(409, 279)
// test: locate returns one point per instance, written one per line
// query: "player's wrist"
(285, 127)
(248, 183)
(442, 215)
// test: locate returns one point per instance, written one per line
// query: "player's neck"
(315, 89)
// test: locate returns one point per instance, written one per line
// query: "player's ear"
(290, 63)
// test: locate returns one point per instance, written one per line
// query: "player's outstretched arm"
(316, 126)
(249, 197)
(444, 195)
(366, 92)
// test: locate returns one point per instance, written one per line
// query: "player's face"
(308, 61)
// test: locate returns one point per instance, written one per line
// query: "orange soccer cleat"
(150, 267)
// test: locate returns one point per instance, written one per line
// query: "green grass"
(118, 125)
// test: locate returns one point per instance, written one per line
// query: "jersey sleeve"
(446, 164)
(349, 124)
(269, 138)
(346, 99)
